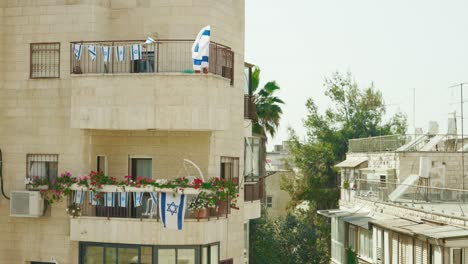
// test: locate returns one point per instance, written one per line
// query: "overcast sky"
(397, 44)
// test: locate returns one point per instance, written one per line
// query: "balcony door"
(141, 166)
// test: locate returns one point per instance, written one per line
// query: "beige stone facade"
(166, 117)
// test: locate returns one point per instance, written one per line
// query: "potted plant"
(37, 183)
(199, 206)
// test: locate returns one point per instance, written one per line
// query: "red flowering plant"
(60, 187)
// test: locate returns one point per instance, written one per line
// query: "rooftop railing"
(420, 196)
(161, 56)
(377, 144)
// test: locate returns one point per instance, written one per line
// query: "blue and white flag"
(122, 199)
(120, 53)
(172, 210)
(109, 200)
(149, 40)
(77, 50)
(154, 197)
(136, 51)
(106, 51)
(92, 199)
(92, 52)
(201, 49)
(137, 199)
(79, 197)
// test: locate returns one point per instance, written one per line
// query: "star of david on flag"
(172, 210)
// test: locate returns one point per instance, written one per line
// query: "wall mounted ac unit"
(26, 204)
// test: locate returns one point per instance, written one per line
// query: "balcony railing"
(147, 210)
(253, 190)
(249, 107)
(421, 195)
(162, 56)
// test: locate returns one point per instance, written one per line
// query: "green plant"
(36, 181)
(351, 256)
(346, 184)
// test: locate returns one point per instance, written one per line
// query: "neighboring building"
(276, 200)
(402, 201)
(138, 117)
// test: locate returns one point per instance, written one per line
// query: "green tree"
(356, 113)
(267, 104)
(286, 240)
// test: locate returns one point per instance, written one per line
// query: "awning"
(397, 224)
(342, 212)
(361, 221)
(445, 232)
(351, 162)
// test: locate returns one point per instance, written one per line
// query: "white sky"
(397, 44)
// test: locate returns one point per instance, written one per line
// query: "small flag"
(136, 51)
(137, 199)
(92, 199)
(122, 199)
(154, 197)
(201, 49)
(172, 210)
(109, 200)
(92, 52)
(149, 40)
(120, 53)
(79, 197)
(77, 50)
(106, 53)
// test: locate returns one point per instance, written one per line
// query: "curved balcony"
(160, 91)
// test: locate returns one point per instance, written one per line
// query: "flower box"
(37, 187)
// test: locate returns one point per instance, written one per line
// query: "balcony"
(161, 89)
(253, 194)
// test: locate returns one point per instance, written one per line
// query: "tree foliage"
(356, 113)
(286, 240)
(268, 106)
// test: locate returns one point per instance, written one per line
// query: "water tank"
(433, 128)
(452, 126)
(425, 165)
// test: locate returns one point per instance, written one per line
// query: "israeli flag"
(120, 53)
(106, 51)
(149, 40)
(172, 210)
(122, 199)
(79, 197)
(92, 52)
(154, 197)
(77, 50)
(201, 49)
(137, 199)
(136, 51)
(92, 199)
(109, 200)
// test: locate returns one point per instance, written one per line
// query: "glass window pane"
(93, 255)
(186, 256)
(111, 255)
(166, 256)
(214, 254)
(204, 255)
(143, 168)
(146, 255)
(128, 256)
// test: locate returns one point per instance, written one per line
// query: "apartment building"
(403, 200)
(138, 116)
(276, 199)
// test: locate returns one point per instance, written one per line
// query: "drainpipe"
(1, 177)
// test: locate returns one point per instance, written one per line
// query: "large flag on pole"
(172, 210)
(201, 49)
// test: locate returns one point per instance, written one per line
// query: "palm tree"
(268, 106)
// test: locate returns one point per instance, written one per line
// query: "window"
(91, 253)
(352, 237)
(44, 166)
(252, 164)
(44, 60)
(230, 169)
(269, 202)
(457, 256)
(365, 244)
(101, 164)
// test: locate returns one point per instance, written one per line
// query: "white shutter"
(386, 246)
(394, 248)
(418, 251)
(402, 250)
(379, 247)
(425, 253)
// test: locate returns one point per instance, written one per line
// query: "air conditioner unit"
(26, 204)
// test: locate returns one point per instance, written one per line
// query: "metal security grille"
(42, 165)
(45, 60)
